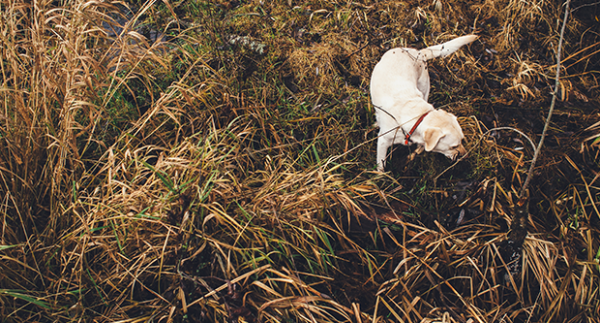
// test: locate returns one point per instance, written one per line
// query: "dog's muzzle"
(459, 151)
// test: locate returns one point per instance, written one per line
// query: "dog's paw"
(412, 156)
(417, 151)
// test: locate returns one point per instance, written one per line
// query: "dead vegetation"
(151, 169)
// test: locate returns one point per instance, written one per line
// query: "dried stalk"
(522, 194)
(518, 228)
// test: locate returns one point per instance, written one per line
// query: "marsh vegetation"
(197, 161)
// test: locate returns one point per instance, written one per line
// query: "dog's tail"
(447, 48)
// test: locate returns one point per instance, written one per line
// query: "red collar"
(407, 138)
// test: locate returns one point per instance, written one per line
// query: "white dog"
(399, 91)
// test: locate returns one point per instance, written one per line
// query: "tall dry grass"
(197, 180)
(60, 75)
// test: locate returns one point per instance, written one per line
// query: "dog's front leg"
(383, 143)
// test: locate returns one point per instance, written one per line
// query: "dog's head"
(442, 133)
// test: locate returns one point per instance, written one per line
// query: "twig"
(518, 228)
(556, 86)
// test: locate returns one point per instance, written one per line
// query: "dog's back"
(401, 68)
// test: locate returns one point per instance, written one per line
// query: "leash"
(406, 135)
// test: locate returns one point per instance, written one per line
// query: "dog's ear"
(431, 136)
